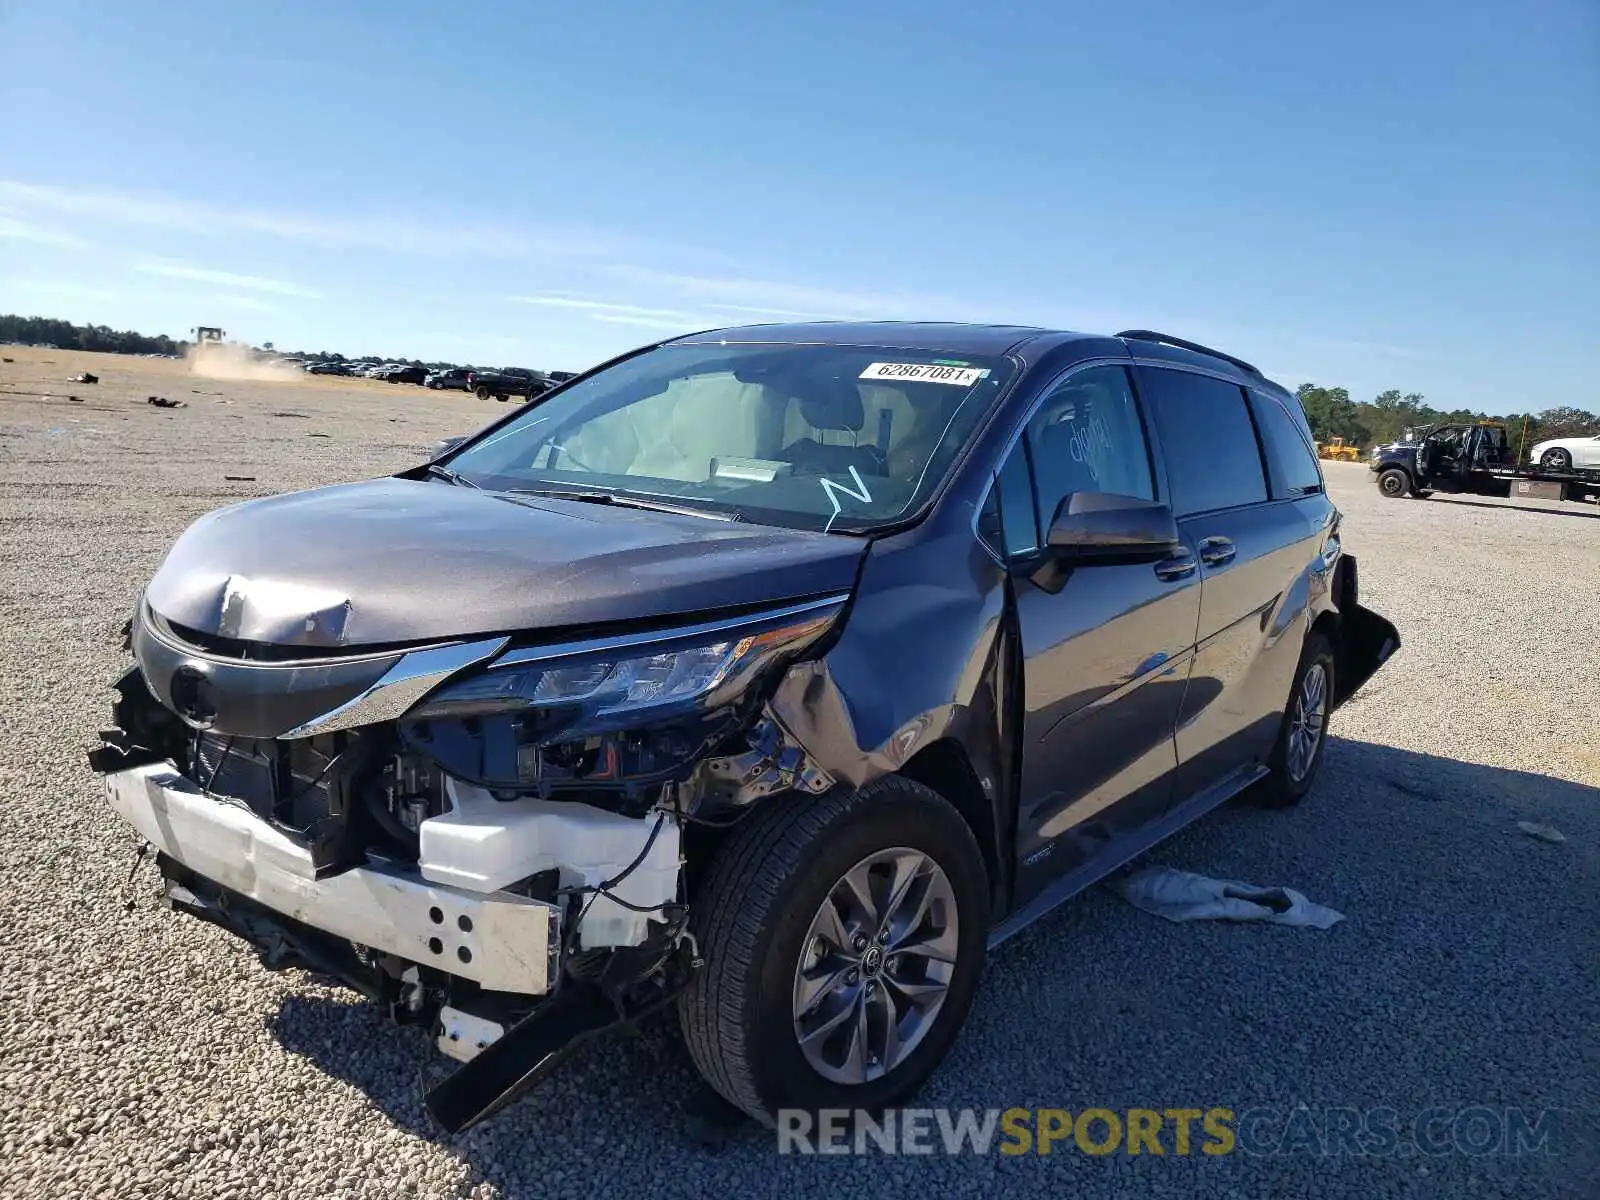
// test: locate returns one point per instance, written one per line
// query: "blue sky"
(1373, 195)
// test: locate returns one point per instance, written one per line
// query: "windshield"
(833, 438)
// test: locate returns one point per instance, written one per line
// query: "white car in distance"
(1567, 453)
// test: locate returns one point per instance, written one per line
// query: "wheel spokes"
(815, 983)
(875, 965)
(819, 1033)
(858, 884)
(830, 927)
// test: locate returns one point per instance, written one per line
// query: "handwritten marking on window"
(832, 490)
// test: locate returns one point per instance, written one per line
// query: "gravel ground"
(144, 1054)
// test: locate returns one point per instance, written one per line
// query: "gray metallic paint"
(1064, 702)
(403, 560)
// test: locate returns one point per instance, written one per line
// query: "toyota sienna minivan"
(774, 674)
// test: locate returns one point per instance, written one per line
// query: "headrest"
(837, 407)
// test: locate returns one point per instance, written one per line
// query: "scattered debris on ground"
(1185, 896)
(86, 377)
(7, 360)
(163, 402)
(74, 399)
(1545, 833)
(299, 416)
(316, 435)
(240, 478)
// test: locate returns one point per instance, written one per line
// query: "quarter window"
(1208, 440)
(1293, 466)
(1087, 437)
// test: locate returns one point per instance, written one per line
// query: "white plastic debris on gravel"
(1185, 896)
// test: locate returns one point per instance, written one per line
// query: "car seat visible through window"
(829, 418)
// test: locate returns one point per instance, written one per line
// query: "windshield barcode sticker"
(925, 373)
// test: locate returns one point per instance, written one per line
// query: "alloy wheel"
(1306, 720)
(875, 966)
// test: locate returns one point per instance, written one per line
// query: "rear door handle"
(1215, 551)
(1171, 569)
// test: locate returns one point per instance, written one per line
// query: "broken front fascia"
(629, 727)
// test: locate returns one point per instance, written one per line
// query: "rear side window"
(1213, 458)
(1087, 437)
(1289, 459)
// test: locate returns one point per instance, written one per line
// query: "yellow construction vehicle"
(1338, 451)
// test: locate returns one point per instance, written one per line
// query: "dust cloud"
(221, 360)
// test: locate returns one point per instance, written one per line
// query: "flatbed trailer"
(1474, 460)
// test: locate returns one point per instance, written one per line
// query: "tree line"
(1387, 416)
(64, 335)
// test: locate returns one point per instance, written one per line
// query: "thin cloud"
(12, 226)
(770, 295)
(753, 310)
(73, 290)
(236, 301)
(389, 232)
(173, 269)
(686, 325)
(592, 306)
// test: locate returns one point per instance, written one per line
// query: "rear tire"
(1556, 460)
(1295, 761)
(781, 932)
(1394, 483)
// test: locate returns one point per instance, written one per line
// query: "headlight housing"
(606, 710)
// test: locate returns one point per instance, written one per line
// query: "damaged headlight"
(604, 687)
(604, 711)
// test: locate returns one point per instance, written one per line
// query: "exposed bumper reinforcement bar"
(501, 942)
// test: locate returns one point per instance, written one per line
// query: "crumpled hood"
(395, 560)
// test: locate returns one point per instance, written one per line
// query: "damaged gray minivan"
(774, 673)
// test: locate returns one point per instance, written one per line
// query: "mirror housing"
(441, 448)
(1102, 527)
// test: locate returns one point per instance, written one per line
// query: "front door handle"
(1215, 551)
(1170, 569)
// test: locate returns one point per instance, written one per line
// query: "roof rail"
(1166, 339)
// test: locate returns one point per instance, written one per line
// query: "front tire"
(843, 938)
(1394, 483)
(483, 393)
(1303, 736)
(1556, 460)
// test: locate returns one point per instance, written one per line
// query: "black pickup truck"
(508, 382)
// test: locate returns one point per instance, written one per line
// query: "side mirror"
(1100, 527)
(440, 449)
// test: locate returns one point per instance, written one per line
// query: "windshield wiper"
(626, 501)
(447, 474)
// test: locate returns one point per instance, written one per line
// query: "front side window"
(1207, 438)
(836, 438)
(1087, 437)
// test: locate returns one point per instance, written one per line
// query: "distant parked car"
(404, 374)
(327, 368)
(508, 382)
(561, 376)
(454, 379)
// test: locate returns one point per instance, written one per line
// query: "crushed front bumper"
(500, 941)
